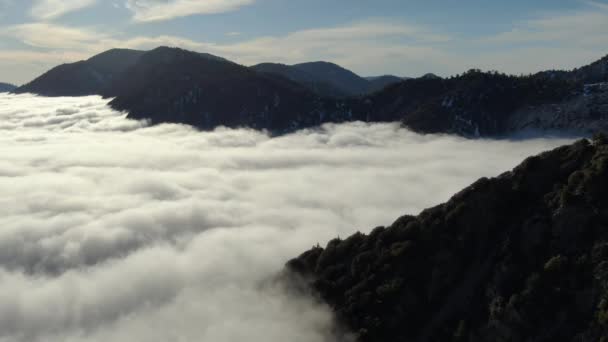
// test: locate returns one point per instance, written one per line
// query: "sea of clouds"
(111, 230)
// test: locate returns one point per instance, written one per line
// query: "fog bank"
(111, 230)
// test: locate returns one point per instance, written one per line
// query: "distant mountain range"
(378, 83)
(174, 85)
(7, 87)
(90, 77)
(319, 86)
(520, 257)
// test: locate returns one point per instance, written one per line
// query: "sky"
(400, 37)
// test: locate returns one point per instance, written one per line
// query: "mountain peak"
(331, 73)
(171, 52)
(88, 77)
(116, 52)
(430, 75)
(320, 63)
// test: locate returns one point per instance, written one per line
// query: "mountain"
(489, 104)
(474, 104)
(174, 85)
(88, 77)
(430, 76)
(310, 81)
(520, 257)
(328, 79)
(378, 83)
(345, 80)
(6, 87)
(595, 72)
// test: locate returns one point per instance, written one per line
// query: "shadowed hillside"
(317, 86)
(206, 91)
(328, 79)
(174, 85)
(474, 104)
(330, 73)
(90, 77)
(520, 257)
(380, 82)
(6, 87)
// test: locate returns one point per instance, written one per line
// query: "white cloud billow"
(50, 9)
(115, 231)
(48, 35)
(160, 10)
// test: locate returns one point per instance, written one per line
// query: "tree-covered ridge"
(206, 91)
(184, 87)
(6, 87)
(520, 257)
(90, 77)
(475, 103)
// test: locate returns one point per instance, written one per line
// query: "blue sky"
(402, 37)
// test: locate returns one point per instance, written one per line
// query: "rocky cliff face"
(520, 257)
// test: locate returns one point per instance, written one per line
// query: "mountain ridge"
(328, 79)
(182, 86)
(519, 257)
(87, 77)
(331, 73)
(378, 83)
(7, 87)
(473, 104)
(316, 85)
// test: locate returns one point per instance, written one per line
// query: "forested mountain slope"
(520, 257)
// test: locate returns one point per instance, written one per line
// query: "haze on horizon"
(405, 38)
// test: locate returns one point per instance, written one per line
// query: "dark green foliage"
(521, 257)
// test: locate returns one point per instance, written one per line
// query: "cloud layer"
(50, 9)
(160, 10)
(115, 231)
